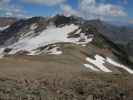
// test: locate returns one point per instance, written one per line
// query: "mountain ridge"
(46, 36)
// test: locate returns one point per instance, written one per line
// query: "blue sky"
(89, 9)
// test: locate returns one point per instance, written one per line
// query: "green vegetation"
(100, 41)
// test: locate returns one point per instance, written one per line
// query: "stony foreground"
(82, 86)
(39, 79)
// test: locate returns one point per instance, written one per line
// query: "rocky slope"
(5, 22)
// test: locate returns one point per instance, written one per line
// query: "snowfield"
(51, 35)
(99, 62)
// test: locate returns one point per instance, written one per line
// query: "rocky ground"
(68, 86)
(53, 78)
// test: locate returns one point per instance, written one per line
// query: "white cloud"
(130, 21)
(125, 1)
(45, 2)
(90, 9)
(96, 9)
(68, 10)
(5, 1)
(11, 10)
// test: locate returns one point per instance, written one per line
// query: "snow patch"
(82, 40)
(1, 52)
(5, 27)
(91, 67)
(55, 51)
(52, 50)
(33, 26)
(109, 60)
(99, 62)
(78, 32)
(28, 34)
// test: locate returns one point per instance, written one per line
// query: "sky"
(112, 10)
